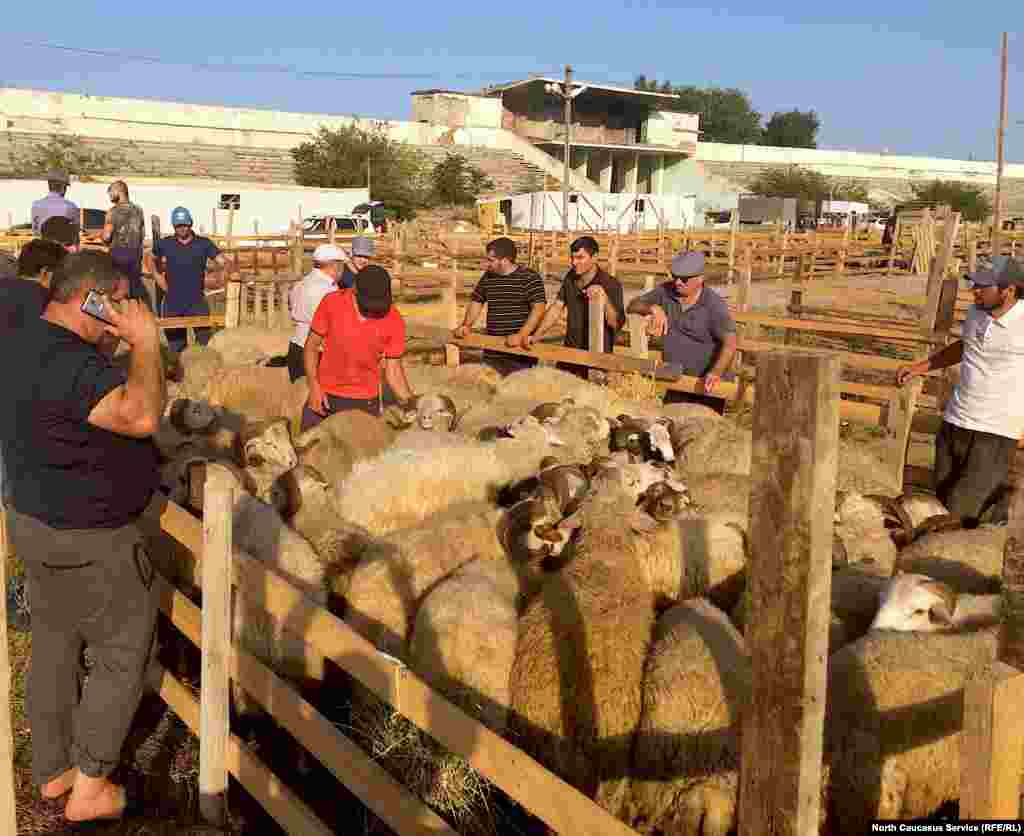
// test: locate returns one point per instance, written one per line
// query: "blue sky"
(909, 76)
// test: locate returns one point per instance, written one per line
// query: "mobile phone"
(96, 306)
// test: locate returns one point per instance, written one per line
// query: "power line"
(284, 69)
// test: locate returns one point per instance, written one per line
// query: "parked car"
(343, 224)
(375, 213)
(94, 220)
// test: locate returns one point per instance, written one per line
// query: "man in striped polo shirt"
(515, 301)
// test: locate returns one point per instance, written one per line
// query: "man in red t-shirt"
(358, 329)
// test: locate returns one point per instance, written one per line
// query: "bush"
(456, 182)
(338, 159)
(970, 201)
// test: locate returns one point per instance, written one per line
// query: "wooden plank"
(638, 343)
(901, 420)
(8, 807)
(992, 744)
(832, 328)
(388, 799)
(214, 725)
(211, 321)
(793, 478)
(291, 814)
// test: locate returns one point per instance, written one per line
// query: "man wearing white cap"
(984, 419)
(305, 296)
(699, 334)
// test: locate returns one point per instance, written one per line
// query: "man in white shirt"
(984, 419)
(304, 298)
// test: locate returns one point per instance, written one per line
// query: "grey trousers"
(86, 587)
(971, 468)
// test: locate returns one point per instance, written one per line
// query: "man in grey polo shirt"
(698, 330)
(54, 204)
(984, 419)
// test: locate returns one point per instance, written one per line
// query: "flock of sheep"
(569, 566)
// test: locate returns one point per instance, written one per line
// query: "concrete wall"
(858, 164)
(35, 111)
(456, 110)
(676, 130)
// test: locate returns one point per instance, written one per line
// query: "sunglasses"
(683, 279)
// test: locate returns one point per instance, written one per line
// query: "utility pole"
(997, 215)
(564, 90)
(368, 195)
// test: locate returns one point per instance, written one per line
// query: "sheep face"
(436, 412)
(529, 427)
(915, 603)
(552, 412)
(270, 447)
(192, 416)
(662, 502)
(661, 441)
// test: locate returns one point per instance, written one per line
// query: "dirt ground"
(165, 753)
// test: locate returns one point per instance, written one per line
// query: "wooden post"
(796, 294)
(997, 209)
(297, 251)
(648, 283)
(213, 220)
(613, 258)
(450, 297)
(749, 329)
(8, 809)
(218, 506)
(992, 741)
(938, 267)
(843, 250)
(792, 504)
(902, 407)
(231, 224)
(972, 251)
(638, 343)
(732, 245)
(232, 294)
(781, 267)
(595, 323)
(332, 229)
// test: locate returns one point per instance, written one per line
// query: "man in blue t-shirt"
(180, 271)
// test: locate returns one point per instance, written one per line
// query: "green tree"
(970, 201)
(792, 129)
(804, 184)
(726, 114)
(337, 159)
(455, 182)
(66, 152)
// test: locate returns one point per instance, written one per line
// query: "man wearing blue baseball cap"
(699, 334)
(180, 271)
(984, 418)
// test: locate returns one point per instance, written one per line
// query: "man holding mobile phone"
(76, 431)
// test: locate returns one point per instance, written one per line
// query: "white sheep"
(396, 570)
(969, 560)
(258, 393)
(697, 680)
(916, 603)
(401, 488)
(892, 723)
(247, 345)
(545, 384)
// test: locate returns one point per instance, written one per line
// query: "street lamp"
(565, 92)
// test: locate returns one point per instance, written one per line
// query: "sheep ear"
(574, 520)
(676, 485)
(554, 439)
(642, 522)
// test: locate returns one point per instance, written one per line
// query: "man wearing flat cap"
(360, 331)
(363, 250)
(54, 204)
(984, 418)
(699, 335)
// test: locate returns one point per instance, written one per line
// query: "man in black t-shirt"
(82, 468)
(584, 281)
(515, 302)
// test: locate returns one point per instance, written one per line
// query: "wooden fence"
(793, 463)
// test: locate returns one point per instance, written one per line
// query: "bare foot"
(59, 785)
(95, 798)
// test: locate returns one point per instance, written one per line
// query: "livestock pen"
(793, 475)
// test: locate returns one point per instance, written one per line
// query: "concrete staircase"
(510, 172)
